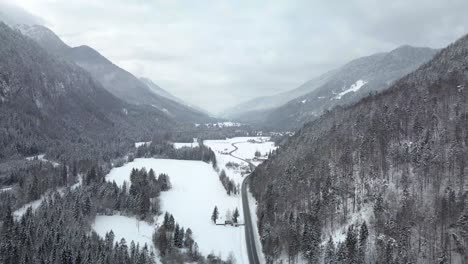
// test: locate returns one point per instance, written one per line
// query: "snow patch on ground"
(139, 144)
(353, 88)
(193, 144)
(357, 218)
(129, 228)
(79, 183)
(34, 205)
(6, 189)
(196, 190)
(223, 124)
(304, 101)
(41, 158)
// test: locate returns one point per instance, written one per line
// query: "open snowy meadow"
(196, 190)
(246, 148)
(130, 228)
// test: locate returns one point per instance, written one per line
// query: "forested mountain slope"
(113, 78)
(350, 83)
(343, 86)
(47, 103)
(381, 181)
(244, 110)
(159, 91)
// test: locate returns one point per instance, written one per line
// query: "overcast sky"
(218, 53)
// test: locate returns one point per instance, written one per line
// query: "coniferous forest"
(390, 169)
(298, 132)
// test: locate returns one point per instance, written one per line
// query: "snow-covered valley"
(196, 190)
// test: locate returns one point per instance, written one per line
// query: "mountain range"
(116, 80)
(382, 180)
(341, 86)
(47, 101)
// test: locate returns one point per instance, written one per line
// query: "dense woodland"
(62, 222)
(59, 232)
(164, 149)
(389, 172)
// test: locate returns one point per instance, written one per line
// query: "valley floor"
(196, 190)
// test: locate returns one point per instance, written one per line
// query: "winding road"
(249, 231)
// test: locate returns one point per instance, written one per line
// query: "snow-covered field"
(196, 190)
(125, 227)
(246, 150)
(193, 144)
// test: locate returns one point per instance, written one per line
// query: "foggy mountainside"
(368, 74)
(114, 79)
(248, 110)
(159, 91)
(46, 101)
(381, 181)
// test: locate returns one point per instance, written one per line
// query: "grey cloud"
(12, 14)
(215, 54)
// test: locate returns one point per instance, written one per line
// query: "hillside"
(343, 86)
(159, 91)
(262, 104)
(51, 105)
(383, 180)
(116, 80)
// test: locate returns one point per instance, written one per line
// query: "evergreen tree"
(351, 244)
(363, 235)
(330, 254)
(171, 223)
(311, 240)
(64, 175)
(235, 215)
(188, 240)
(176, 236)
(166, 220)
(215, 215)
(180, 240)
(341, 255)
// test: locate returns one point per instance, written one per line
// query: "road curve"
(249, 231)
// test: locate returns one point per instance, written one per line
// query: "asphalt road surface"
(249, 231)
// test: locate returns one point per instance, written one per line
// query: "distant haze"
(215, 54)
